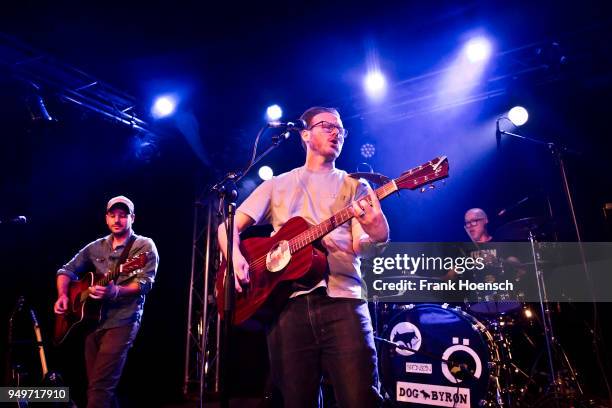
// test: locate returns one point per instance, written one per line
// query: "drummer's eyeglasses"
(474, 222)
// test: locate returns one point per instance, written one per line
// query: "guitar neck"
(129, 266)
(313, 233)
(106, 279)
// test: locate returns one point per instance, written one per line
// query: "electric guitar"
(81, 308)
(275, 262)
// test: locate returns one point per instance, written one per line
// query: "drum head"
(420, 378)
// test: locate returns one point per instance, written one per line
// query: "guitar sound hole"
(278, 257)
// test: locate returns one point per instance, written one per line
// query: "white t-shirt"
(315, 196)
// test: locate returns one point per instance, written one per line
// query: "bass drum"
(420, 378)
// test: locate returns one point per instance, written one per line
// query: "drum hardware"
(515, 376)
(462, 368)
(488, 304)
(388, 299)
(558, 152)
(552, 345)
(432, 350)
(519, 230)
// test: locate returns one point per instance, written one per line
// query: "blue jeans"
(317, 334)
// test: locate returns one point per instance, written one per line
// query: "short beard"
(121, 234)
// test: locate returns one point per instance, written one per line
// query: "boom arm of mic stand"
(529, 139)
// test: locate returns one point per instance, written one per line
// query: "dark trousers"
(317, 334)
(105, 354)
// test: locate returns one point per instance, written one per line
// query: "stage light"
(368, 150)
(145, 147)
(375, 84)
(265, 173)
(465, 71)
(477, 49)
(146, 151)
(274, 112)
(518, 116)
(37, 109)
(35, 103)
(163, 106)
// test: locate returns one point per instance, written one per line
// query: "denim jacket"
(99, 257)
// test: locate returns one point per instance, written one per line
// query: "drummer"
(475, 224)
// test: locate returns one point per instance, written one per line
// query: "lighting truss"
(69, 83)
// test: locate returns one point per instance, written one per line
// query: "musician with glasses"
(498, 264)
(475, 224)
(325, 327)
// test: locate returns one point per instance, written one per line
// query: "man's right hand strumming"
(241, 270)
(61, 304)
(241, 266)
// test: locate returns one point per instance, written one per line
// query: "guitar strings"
(305, 237)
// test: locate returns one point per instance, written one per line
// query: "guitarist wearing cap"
(119, 301)
(325, 325)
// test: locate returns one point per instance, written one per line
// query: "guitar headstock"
(427, 173)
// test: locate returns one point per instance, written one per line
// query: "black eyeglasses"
(329, 127)
(473, 222)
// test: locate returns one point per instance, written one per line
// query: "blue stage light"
(368, 150)
(478, 49)
(375, 84)
(274, 112)
(265, 173)
(518, 116)
(163, 106)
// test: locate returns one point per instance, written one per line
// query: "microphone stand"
(557, 151)
(228, 194)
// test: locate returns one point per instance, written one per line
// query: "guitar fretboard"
(313, 233)
(131, 265)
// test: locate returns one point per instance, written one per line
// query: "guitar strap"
(124, 254)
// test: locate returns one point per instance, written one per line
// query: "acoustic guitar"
(292, 254)
(83, 310)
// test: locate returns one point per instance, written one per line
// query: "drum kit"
(493, 350)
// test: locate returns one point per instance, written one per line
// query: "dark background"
(228, 63)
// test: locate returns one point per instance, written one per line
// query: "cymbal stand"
(546, 322)
(552, 345)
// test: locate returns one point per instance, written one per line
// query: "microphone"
(497, 133)
(299, 124)
(19, 220)
(513, 206)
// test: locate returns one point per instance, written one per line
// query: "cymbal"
(518, 230)
(375, 178)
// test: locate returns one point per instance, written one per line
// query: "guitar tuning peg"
(432, 186)
(423, 189)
